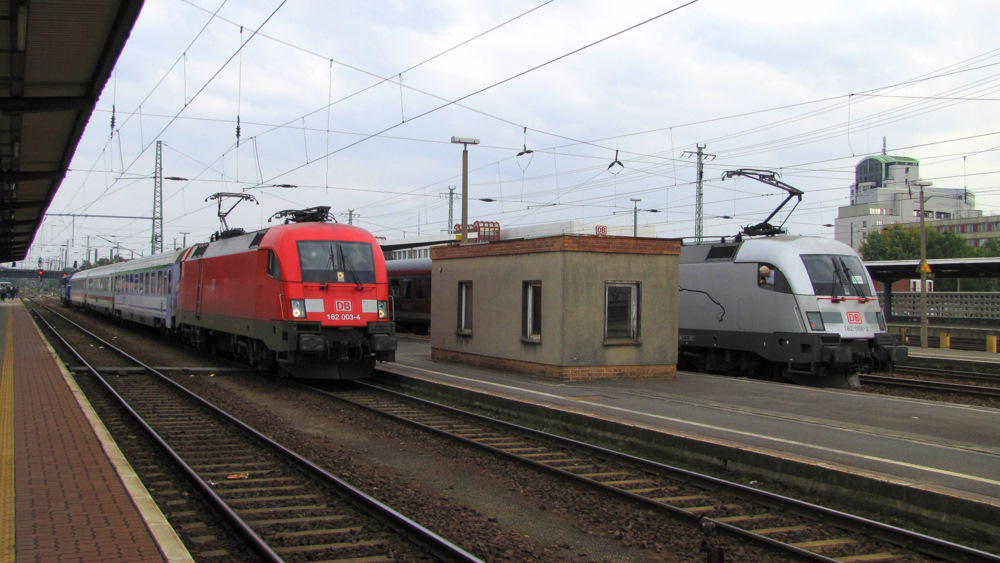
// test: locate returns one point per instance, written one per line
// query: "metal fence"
(971, 308)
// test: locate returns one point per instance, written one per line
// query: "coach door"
(197, 291)
(199, 273)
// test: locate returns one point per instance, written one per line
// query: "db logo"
(345, 307)
(854, 318)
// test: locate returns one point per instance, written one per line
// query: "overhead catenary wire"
(557, 177)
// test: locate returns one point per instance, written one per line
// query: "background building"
(886, 190)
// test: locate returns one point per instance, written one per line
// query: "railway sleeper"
(320, 510)
(304, 520)
(278, 536)
(235, 492)
(300, 549)
(776, 530)
(297, 499)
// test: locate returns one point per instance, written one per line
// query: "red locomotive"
(308, 296)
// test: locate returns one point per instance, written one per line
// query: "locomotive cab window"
(326, 261)
(837, 275)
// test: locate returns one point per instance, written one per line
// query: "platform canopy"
(888, 271)
(58, 55)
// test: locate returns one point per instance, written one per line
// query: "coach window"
(531, 311)
(420, 288)
(273, 268)
(465, 308)
(621, 312)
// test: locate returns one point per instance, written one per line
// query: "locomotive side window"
(621, 311)
(836, 275)
(325, 261)
(273, 267)
(770, 278)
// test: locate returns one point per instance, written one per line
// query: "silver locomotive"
(782, 308)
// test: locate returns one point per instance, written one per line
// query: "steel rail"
(906, 539)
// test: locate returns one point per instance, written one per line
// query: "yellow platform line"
(7, 446)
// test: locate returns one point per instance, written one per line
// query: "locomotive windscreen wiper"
(838, 280)
(857, 288)
(354, 274)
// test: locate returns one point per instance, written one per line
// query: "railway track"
(715, 506)
(279, 505)
(950, 374)
(939, 380)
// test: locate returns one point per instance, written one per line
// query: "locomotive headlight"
(383, 310)
(298, 308)
(815, 319)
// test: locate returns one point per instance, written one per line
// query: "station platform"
(943, 456)
(66, 491)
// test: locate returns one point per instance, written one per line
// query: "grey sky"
(803, 88)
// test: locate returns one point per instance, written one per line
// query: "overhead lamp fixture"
(22, 27)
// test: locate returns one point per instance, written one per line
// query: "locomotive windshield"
(330, 261)
(837, 275)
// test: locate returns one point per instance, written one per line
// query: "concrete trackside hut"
(567, 307)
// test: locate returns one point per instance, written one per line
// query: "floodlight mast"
(771, 178)
(465, 142)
